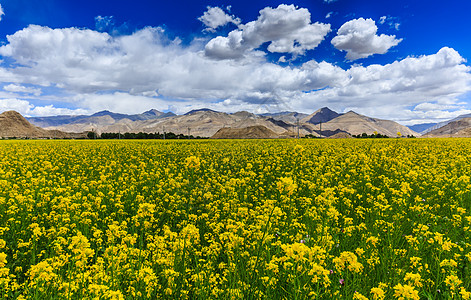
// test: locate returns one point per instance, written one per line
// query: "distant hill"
(333, 133)
(441, 124)
(147, 115)
(102, 117)
(340, 135)
(458, 128)
(202, 122)
(421, 128)
(285, 116)
(14, 125)
(251, 132)
(199, 110)
(54, 120)
(355, 124)
(282, 124)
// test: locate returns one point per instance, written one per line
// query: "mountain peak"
(325, 108)
(200, 110)
(153, 112)
(11, 113)
(244, 114)
(321, 115)
(10, 117)
(103, 113)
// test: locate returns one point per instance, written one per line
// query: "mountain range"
(323, 122)
(63, 120)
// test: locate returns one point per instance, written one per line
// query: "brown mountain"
(103, 117)
(205, 122)
(199, 122)
(322, 115)
(14, 125)
(459, 128)
(251, 132)
(355, 124)
(286, 116)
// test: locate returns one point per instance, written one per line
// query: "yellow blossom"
(378, 293)
(403, 292)
(452, 281)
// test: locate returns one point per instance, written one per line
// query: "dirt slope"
(13, 124)
(251, 132)
(459, 128)
(355, 123)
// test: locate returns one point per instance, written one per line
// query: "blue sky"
(402, 60)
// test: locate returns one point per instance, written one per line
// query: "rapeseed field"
(258, 219)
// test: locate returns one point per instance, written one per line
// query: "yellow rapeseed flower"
(404, 292)
(465, 294)
(413, 278)
(192, 162)
(359, 296)
(378, 293)
(452, 281)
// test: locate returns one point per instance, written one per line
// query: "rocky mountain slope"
(321, 115)
(457, 128)
(205, 122)
(444, 123)
(355, 124)
(104, 117)
(421, 128)
(251, 132)
(14, 125)
(286, 116)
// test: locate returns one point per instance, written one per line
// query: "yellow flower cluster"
(348, 260)
(404, 292)
(258, 219)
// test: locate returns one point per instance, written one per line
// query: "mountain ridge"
(322, 115)
(206, 122)
(421, 128)
(67, 119)
(460, 127)
(444, 123)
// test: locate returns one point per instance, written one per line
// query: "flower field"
(259, 219)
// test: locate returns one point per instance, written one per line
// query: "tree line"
(376, 136)
(141, 136)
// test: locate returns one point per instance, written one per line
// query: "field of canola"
(273, 219)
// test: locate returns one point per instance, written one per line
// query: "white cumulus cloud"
(25, 108)
(50, 110)
(21, 106)
(427, 106)
(358, 37)
(47, 55)
(15, 88)
(388, 91)
(287, 29)
(2, 13)
(215, 17)
(143, 70)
